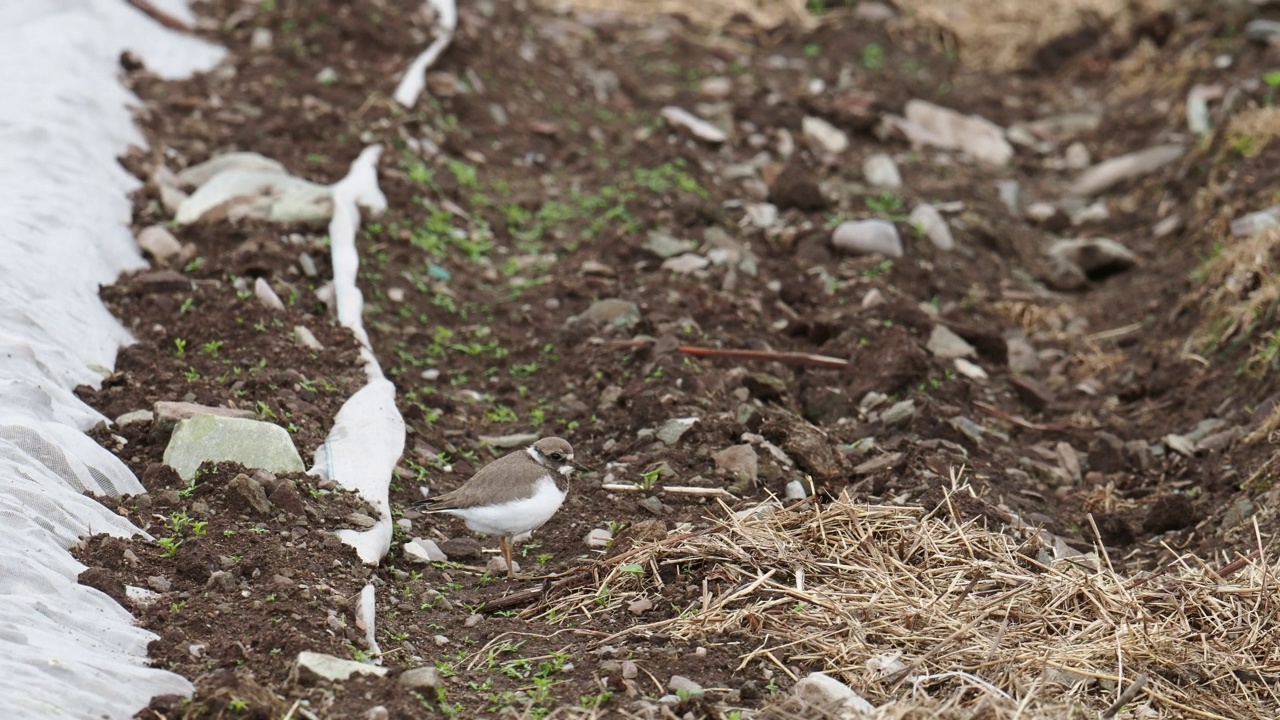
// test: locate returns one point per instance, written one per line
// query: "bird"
(513, 495)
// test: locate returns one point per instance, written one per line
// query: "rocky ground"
(825, 283)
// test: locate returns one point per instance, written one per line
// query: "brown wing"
(489, 486)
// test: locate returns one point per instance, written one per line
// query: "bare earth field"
(1081, 503)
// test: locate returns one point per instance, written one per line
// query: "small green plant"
(179, 346)
(873, 57)
(168, 546)
(650, 477)
(238, 705)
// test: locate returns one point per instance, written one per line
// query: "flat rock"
(679, 683)
(868, 237)
(245, 493)
(251, 443)
(881, 171)
(823, 136)
(507, 442)
(424, 550)
(159, 243)
(598, 538)
(420, 678)
(612, 313)
(1096, 257)
(1109, 173)
(925, 123)
(682, 119)
(159, 281)
(820, 690)
(739, 461)
(169, 413)
(929, 221)
(314, 665)
(666, 246)
(135, 416)
(497, 565)
(944, 343)
(672, 430)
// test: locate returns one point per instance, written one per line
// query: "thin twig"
(160, 16)
(1127, 696)
(790, 358)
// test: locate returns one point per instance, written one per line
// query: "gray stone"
(697, 127)
(823, 691)
(868, 237)
(245, 493)
(1109, 173)
(507, 442)
(881, 171)
(612, 313)
(306, 338)
(927, 124)
(898, 413)
(672, 430)
(136, 416)
(929, 221)
(497, 565)
(251, 443)
(944, 343)
(168, 414)
(420, 677)
(740, 462)
(159, 583)
(1255, 222)
(159, 243)
(823, 136)
(1094, 256)
(653, 505)
(640, 606)
(1241, 510)
(686, 263)
(1010, 193)
(795, 490)
(332, 669)
(359, 519)
(1261, 30)
(679, 683)
(424, 550)
(665, 246)
(266, 295)
(598, 538)
(1077, 156)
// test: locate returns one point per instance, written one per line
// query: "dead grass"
(926, 615)
(1240, 289)
(706, 14)
(1002, 34)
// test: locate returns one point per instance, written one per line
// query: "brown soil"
(563, 177)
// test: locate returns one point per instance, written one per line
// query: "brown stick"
(791, 358)
(1127, 696)
(160, 16)
(1021, 422)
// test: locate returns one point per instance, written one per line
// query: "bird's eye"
(557, 456)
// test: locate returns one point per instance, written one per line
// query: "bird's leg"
(505, 544)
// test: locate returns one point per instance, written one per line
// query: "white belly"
(514, 518)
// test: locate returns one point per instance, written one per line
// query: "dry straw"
(926, 615)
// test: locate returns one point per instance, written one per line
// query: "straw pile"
(925, 615)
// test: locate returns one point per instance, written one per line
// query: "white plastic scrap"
(410, 87)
